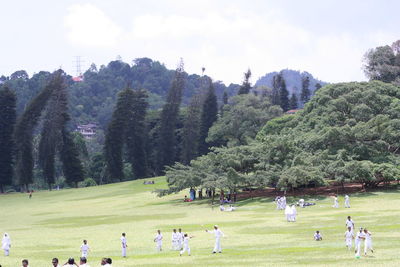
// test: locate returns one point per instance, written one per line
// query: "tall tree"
(115, 135)
(317, 86)
(191, 131)
(7, 121)
(136, 134)
(24, 133)
(283, 94)
(208, 117)
(166, 150)
(305, 89)
(69, 155)
(293, 101)
(246, 86)
(275, 97)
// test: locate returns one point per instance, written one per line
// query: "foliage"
(246, 86)
(191, 131)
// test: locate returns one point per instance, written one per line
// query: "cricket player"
(350, 223)
(181, 236)
(293, 213)
(186, 246)
(359, 238)
(288, 213)
(335, 202)
(346, 201)
(83, 262)
(54, 262)
(218, 234)
(25, 263)
(6, 244)
(175, 240)
(85, 249)
(349, 236)
(158, 239)
(123, 244)
(368, 241)
(317, 236)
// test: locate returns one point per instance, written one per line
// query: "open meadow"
(53, 224)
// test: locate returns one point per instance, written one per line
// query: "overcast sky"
(326, 38)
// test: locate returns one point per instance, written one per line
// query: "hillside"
(53, 224)
(293, 81)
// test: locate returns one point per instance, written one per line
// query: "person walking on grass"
(218, 234)
(54, 262)
(350, 223)
(25, 263)
(186, 246)
(335, 202)
(85, 249)
(349, 236)
(158, 239)
(359, 238)
(123, 244)
(346, 201)
(367, 242)
(180, 238)
(6, 244)
(317, 236)
(175, 240)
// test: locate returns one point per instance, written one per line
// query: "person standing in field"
(180, 240)
(186, 246)
(346, 201)
(368, 241)
(25, 263)
(6, 244)
(350, 223)
(349, 236)
(158, 239)
(288, 213)
(335, 202)
(175, 240)
(317, 236)
(85, 249)
(54, 261)
(293, 213)
(83, 262)
(123, 244)
(218, 234)
(359, 238)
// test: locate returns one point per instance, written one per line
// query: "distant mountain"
(293, 80)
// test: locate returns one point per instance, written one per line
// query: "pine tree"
(24, 133)
(293, 101)
(305, 89)
(191, 131)
(166, 143)
(225, 98)
(115, 135)
(136, 134)
(7, 121)
(275, 97)
(208, 117)
(246, 86)
(283, 94)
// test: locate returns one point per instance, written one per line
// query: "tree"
(191, 131)
(69, 155)
(7, 121)
(293, 102)
(283, 94)
(275, 96)
(246, 85)
(225, 98)
(166, 148)
(305, 89)
(317, 86)
(208, 117)
(135, 134)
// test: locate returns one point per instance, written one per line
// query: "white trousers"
(367, 245)
(347, 204)
(124, 252)
(159, 245)
(6, 252)
(349, 243)
(84, 254)
(176, 245)
(185, 248)
(358, 248)
(217, 247)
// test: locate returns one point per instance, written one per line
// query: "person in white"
(25, 263)
(346, 201)
(359, 238)
(335, 202)
(158, 239)
(293, 213)
(54, 262)
(349, 236)
(6, 244)
(221, 207)
(283, 203)
(186, 246)
(124, 244)
(83, 262)
(180, 236)
(288, 213)
(317, 236)
(70, 263)
(301, 203)
(278, 202)
(175, 240)
(85, 249)
(367, 242)
(218, 234)
(350, 223)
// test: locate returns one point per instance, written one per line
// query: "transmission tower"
(78, 65)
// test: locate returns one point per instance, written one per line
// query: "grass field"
(53, 224)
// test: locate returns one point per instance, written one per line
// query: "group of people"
(362, 235)
(230, 208)
(280, 202)
(105, 262)
(336, 201)
(291, 213)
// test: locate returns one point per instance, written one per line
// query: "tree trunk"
(1, 188)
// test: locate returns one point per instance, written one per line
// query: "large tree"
(191, 131)
(166, 148)
(246, 85)
(7, 121)
(305, 89)
(293, 102)
(208, 117)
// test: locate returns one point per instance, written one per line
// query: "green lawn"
(53, 224)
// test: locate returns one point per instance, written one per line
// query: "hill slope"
(53, 224)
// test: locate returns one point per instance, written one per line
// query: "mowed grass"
(53, 224)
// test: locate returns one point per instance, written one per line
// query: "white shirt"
(359, 236)
(186, 241)
(317, 236)
(175, 236)
(218, 233)
(84, 248)
(84, 265)
(349, 223)
(346, 198)
(367, 236)
(348, 235)
(158, 238)
(6, 242)
(123, 241)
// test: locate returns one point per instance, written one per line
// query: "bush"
(87, 182)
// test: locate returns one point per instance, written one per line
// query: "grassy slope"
(53, 224)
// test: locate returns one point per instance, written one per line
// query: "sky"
(326, 38)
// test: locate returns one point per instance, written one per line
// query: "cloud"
(89, 26)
